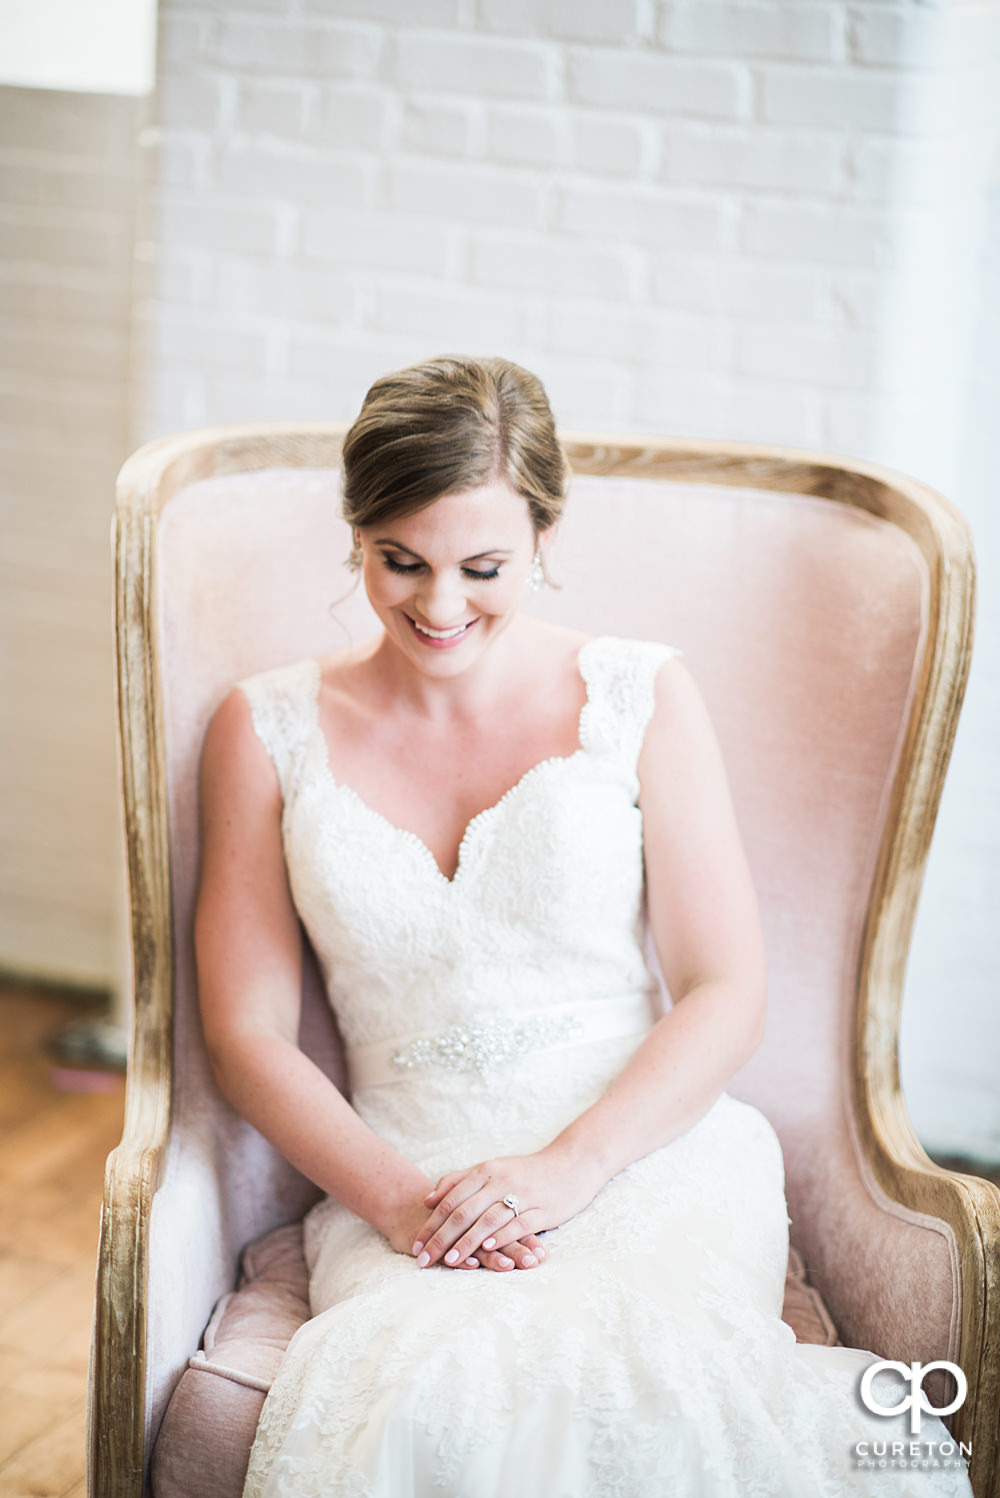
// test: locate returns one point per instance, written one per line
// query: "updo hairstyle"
(449, 424)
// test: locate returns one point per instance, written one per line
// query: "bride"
(552, 1249)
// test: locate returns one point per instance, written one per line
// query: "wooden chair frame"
(897, 1161)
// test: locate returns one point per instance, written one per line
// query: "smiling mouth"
(442, 635)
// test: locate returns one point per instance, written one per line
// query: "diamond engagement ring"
(511, 1201)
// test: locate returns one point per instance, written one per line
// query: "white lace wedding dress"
(645, 1357)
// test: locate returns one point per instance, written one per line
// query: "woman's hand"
(524, 1253)
(469, 1215)
(410, 1215)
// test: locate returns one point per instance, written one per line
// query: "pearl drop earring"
(536, 577)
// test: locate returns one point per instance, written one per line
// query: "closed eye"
(410, 567)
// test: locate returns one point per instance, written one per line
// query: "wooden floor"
(53, 1144)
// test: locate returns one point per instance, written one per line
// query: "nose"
(441, 598)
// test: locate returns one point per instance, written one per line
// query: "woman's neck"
(459, 698)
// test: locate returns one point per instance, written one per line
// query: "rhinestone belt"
(482, 1045)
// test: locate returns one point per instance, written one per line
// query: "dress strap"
(283, 708)
(620, 675)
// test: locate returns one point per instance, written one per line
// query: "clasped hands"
(470, 1225)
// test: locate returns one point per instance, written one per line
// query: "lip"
(446, 644)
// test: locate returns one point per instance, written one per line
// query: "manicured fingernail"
(473, 1261)
(504, 1259)
(452, 1256)
(489, 1243)
(423, 1261)
(540, 1252)
(529, 1259)
(417, 1246)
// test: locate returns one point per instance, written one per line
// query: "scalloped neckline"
(481, 818)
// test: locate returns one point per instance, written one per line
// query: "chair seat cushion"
(203, 1447)
(804, 1310)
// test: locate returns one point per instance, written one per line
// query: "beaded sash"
(483, 1045)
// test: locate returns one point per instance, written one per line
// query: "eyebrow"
(491, 551)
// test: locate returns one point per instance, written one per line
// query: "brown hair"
(449, 424)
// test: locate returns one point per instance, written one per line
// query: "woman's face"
(446, 581)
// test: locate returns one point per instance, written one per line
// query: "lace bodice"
(542, 924)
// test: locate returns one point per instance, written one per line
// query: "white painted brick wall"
(677, 144)
(626, 21)
(292, 176)
(643, 215)
(535, 137)
(806, 232)
(480, 66)
(354, 117)
(824, 98)
(274, 48)
(615, 147)
(279, 109)
(361, 240)
(556, 266)
(756, 219)
(780, 161)
(658, 84)
(67, 210)
(442, 190)
(810, 32)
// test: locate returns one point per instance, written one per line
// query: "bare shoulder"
(680, 739)
(240, 812)
(235, 766)
(675, 692)
(675, 689)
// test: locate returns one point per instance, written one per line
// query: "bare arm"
(249, 957)
(706, 930)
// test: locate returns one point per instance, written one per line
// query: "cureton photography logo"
(912, 1453)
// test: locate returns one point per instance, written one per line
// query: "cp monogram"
(916, 1401)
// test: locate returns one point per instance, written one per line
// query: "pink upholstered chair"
(825, 607)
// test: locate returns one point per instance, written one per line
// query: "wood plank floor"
(53, 1144)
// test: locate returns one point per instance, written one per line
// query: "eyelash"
(409, 567)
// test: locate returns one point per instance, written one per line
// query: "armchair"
(826, 609)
